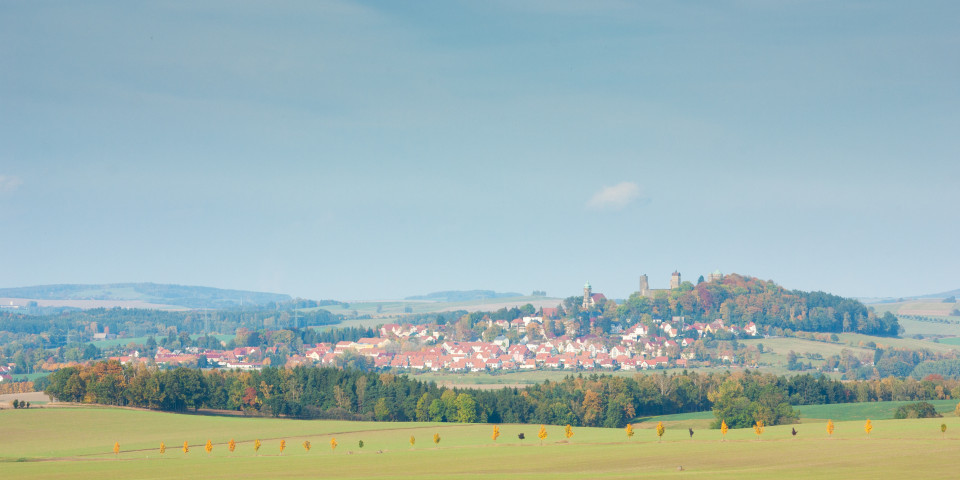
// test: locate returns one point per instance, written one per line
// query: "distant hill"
(153, 293)
(463, 295)
(951, 293)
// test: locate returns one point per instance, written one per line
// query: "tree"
(436, 439)
(209, 446)
(163, 448)
(758, 428)
(186, 447)
(520, 436)
(629, 430)
(232, 445)
(466, 408)
(496, 433)
(360, 444)
(116, 448)
(16, 404)
(943, 430)
(542, 434)
(660, 431)
(956, 411)
(306, 445)
(283, 445)
(333, 444)
(830, 427)
(413, 441)
(691, 432)
(868, 426)
(723, 431)
(256, 445)
(568, 431)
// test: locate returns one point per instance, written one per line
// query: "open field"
(776, 349)
(929, 307)
(391, 308)
(35, 445)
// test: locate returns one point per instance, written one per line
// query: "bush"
(916, 410)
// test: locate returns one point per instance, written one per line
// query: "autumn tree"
(436, 439)
(186, 447)
(496, 433)
(209, 446)
(256, 446)
(758, 428)
(333, 444)
(568, 431)
(660, 431)
(868, 426)
(413, 441)
(542, 434)
(116, 448)
(306, 445)
(830, 427)
(943, 430)
(163, 448)
(723, 431)
(283, 445)
(629, 430)
(232, 445)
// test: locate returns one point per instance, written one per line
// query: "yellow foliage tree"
(496, 433)
(333, 444)
(629, 430)
(943, 430)
(660, 431)
(209, 446)
(232, 445)
(413, 441)
(436, 439)
(868, 426)
(830, 427)
(956, 411)
(568, 431)
(256, 445)
(116, 448)
(723, 430)
(283, 445)
(758, 428)
(306, 445)
(186, 446)
(163, 448)
(542, 434)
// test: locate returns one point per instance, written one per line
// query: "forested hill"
(741, 299)
(178, 295)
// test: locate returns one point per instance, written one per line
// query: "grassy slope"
(903, 448)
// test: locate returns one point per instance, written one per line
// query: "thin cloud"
(9, 184)
(615, 197)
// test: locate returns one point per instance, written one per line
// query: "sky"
(376, 150)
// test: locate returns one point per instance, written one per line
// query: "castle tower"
(644, 286)
(587, 295)
(675, 280)
(716, 276)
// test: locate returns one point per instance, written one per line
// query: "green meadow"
(78, 442)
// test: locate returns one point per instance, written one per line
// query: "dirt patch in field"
(6, 400)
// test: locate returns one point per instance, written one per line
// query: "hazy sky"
(378, 150)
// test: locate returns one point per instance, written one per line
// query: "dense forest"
(739, 300)
(739, 398)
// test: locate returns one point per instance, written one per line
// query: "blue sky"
(378, 150)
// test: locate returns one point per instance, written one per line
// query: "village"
(409, 347)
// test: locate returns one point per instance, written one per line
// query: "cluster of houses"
(5, 372)
(633, 348)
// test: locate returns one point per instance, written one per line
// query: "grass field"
(77, 443)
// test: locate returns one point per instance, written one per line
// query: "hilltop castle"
(675, 281)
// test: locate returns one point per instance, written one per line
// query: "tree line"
(739, 398)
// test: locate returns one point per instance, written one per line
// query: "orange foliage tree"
(660, 431)
(496, 433)
(333, 444)
(232, 445)
(283, 445)
(163, 448)
(830, 427)
(209, 446)
(758, 428)
(256, 445)
(436, 439)
(568, 431)
(116, 448)
(306, 445)
(186, 447)
(413, 441)
(629, 430)
(868, 426)
(542, 434)
(723, 430)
